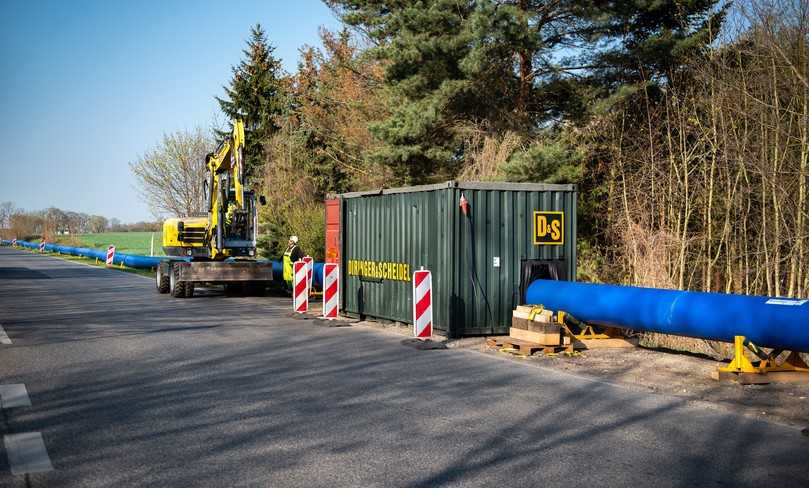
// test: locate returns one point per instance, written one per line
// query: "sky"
(88, 86)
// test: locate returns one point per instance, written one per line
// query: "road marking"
(4, 337)
(14, 395)
(27, 453)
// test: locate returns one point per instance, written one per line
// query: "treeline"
(684, 125)
(52, 222)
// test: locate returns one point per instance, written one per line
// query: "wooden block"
(544, 316)
(526, 324)
(548, 339)
(614, 343)
(773, 377)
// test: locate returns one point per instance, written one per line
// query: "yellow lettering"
(555, 230)
(541, 226)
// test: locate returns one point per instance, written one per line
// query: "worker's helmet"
(293, 239)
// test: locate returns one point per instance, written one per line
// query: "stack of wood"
(535, 324)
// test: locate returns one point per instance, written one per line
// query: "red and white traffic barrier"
(310, 264)
(331, 290)
(300, 290)
(42, 246)
(13, 242)
(110, 255)
(423, 304)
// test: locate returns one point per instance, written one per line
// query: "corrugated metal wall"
(501, 222)
(423, 226)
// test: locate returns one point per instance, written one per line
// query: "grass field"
(125, 242)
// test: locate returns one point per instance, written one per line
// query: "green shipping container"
(481, 260)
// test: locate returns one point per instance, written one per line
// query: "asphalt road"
(131, 388)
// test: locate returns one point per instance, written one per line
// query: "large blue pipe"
(780, 323)
(147, 262)
(130, 260)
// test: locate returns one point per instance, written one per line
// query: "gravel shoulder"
(664, 371)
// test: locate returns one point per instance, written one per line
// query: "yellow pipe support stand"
(586, 333)
(765, 370)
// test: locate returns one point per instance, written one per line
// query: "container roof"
(463, 185)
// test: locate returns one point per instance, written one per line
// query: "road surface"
(130, 388)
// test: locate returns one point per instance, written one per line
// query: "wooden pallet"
(521, 347)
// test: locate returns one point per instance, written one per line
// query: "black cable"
(474, 275)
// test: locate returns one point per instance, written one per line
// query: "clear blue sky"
(87, 86)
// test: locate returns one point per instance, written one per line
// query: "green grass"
(125, 242)
(92, 262)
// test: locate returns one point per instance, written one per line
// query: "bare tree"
(97, 224)
(7, 209)
(170, 176)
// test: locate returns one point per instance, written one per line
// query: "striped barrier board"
(300, 288)
(309, 266)
(423, 304)
(331, 290)
(42, 246)
(110, 255)
(13, 242)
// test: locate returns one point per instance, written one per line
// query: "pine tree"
(656, 37)
(256, 96)
(519, 65)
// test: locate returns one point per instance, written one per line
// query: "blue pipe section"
(147, 262)
(780, 323)
(130, 260)
(317, 273)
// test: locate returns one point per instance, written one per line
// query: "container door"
(540, 269)
(333, 231)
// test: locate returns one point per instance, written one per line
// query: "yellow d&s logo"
(549, 228)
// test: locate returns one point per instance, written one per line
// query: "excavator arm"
(229, 211)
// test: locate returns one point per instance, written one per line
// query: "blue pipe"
(147, 262)
(130, 260)
(317, 273)
(780, 323)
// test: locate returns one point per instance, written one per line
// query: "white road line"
(27, 453)
(4, 337)
(14, 395)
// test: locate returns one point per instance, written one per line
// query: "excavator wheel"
(176, 287)
(162, 279)
(189, 289)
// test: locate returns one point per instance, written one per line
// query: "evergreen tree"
(422, 43)
(256, 96)
(520, 65)
(642, 41)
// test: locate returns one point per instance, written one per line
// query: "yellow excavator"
(219, 248)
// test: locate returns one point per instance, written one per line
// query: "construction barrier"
(300, 289)
(309, 266)
(42, 246)
(331, 290)
(423, 304)
(110, 255)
